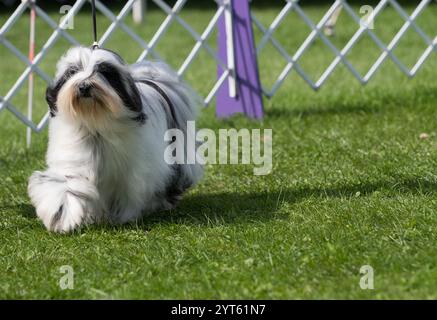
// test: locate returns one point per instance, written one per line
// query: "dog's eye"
(71, 72)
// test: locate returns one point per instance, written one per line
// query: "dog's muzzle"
(84, 90)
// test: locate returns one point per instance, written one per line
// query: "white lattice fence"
(59, 30)
(340, 54)
(200, 43)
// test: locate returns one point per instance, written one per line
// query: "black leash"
(173, 123)
(172, 120)
(93, 7)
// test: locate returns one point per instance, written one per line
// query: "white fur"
(108, 168)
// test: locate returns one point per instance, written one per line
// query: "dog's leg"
(128, 215)
(63, 203)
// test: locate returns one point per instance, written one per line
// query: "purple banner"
(249, 95)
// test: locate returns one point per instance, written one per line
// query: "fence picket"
(229, 70)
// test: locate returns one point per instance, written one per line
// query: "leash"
(93, 8)
(172, 120)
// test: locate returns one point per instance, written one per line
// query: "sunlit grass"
(352, 185)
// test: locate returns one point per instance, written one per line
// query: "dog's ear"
(124, 84)
(133, 99)
(51, 97)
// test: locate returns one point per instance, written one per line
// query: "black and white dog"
(106, 141)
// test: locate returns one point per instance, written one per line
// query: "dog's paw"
(70, 215)
(61, 203)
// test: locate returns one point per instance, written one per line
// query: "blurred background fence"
(183, 33)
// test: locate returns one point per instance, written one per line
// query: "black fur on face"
(53, 89)
(123, 83)
(110, 68)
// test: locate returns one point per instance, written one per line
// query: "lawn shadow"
(243, 208)
(24, 209)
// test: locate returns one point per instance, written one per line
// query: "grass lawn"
(352, 184)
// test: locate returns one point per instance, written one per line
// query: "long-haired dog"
(106, 141)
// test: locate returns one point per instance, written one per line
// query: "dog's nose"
(85, 90)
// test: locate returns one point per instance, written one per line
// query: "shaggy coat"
(106, 147)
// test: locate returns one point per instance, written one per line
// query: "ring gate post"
(242, 92)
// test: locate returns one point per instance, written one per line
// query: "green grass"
(352, 185)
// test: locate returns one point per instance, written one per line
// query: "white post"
(230, 48)
(330, 25)
(138, 10)
(31, 80)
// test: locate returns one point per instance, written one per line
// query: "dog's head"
(92, 85)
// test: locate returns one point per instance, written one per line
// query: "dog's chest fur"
(117, 168)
